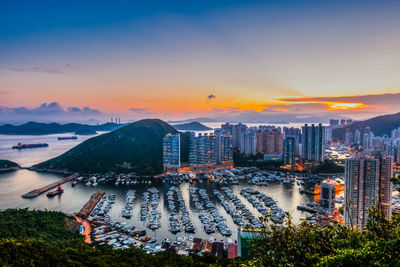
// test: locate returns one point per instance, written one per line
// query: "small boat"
(68, 137)
(74, 183)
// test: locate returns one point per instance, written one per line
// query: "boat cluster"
(229, 208)
(208, 213)
(103, 207)
(149, 208)
(129, 198)
(277, 214)
(176, 207)
(263, 178)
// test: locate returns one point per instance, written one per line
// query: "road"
(87, 229)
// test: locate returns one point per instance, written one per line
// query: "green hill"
(379, 125)
(6, 165)
(136, 147)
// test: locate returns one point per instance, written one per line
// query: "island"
(191, 126)
(37, 128)
(6, 165)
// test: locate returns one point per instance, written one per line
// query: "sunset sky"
(225, 60)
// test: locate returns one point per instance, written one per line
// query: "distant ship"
(23, 146)
(68, 137)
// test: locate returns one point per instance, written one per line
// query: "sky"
(270, 61)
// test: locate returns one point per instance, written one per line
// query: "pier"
(89, 206)
(37, 192)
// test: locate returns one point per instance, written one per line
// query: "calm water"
(14, 184)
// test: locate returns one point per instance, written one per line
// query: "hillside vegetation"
(304, 245)
(136, 147)
(6, 164)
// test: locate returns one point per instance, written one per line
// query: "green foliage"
(136, 147)
(7, 164)
(316, 245)
(328, 166)
(35, 224)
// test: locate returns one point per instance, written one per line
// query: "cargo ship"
(58, 191)
(23, 146)
(68, 137)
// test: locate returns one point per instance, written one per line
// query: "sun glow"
(345, 106)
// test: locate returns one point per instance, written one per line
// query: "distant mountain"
(379, 125)
(37, 128)
(191, 126)
(203, 120)
(136, 147)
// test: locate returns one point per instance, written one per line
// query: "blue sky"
(164, 58)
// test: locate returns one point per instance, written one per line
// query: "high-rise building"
(227, 128)
(203, 149)
(238, 135)
(386, 186)
(361, 189)
(224, 149)
(250, 142)
(171, 152)
(312, 140)
(289, 151)
(333, 123)
(328, 195)
(327, 134)
(348, 137)
(357, 137)
(209, 150)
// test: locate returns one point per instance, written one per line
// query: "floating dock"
(37, 192)
(89, 206)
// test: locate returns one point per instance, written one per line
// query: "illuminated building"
(289, 151)
(327, 196)
(171, 152)
(386, 186)
(224, 148)
(361, 189)
(312, 140)
(209, 152)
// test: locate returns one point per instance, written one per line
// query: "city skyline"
(251, 60)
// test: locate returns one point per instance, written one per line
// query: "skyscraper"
(224, 149)
(171, 152)
(312, 140)
(289, 151)
(386, 186)
(361, 189)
